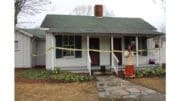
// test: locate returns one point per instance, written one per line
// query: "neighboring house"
(28, 43)
(100, 33)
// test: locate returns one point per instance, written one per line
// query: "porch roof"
(92, 25)
(36, 32)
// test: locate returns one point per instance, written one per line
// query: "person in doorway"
(129, 63)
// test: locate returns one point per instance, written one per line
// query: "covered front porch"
(73, 41)
(109, 51)
(92, 51)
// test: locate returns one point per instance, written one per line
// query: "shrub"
(147, 72)
(56, 71)
(139, 74)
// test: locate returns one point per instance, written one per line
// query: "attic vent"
(98, 10)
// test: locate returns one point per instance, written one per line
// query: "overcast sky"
(149, 10)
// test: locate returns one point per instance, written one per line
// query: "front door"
(94, 44)
(117, 46)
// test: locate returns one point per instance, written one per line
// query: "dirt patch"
(156, 83)
(48, 90)
(85, 91)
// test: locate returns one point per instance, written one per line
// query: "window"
(16, 45)
(68, 42)
(130, 41)
(156, 40)
(142, 44)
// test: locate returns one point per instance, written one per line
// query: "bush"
(139, 74)
(148, 72)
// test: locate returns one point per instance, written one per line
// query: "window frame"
(140, 46)
(68, 45)
(132, 39)
(16, 45)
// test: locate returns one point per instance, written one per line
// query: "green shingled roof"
(36, 32)
(91, 24)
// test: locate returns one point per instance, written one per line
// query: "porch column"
(88, 51)
(123, 49)
(159, 50)
(50, 56)
(87, 44)
(137, 55)
(112, 48)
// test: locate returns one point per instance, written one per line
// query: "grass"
(76, 91)
(156, 83)
(58, 75)
(27, 87)
(34, 74)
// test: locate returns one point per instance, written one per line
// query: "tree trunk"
(15, 18)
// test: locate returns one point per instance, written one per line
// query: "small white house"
(28, 43)
(100, 41)
(85, 43)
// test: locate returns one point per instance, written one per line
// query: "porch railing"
(89, 64)
(116, 61)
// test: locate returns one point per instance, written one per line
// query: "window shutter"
(58, 44)
(144, 46)
(78, 45)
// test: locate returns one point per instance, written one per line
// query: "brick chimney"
(98, 10)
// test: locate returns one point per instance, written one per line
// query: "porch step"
(75, 69)
(82, 69)
(97, 73)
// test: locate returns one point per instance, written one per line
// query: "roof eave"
(25, 33)
(44, 29)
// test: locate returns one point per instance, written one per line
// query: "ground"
(156, 83)
(56, 91)
(34, 90)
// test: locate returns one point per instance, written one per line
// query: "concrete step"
(75, 69)
(83, 69)
(97, 73)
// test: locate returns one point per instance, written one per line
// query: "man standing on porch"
(129, 62)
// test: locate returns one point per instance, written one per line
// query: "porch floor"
(112, 88)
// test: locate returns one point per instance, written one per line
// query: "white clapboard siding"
(34, 52)
(23, 52)
(40, 50)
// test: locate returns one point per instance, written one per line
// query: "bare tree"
(88, 10)
(108, 12)
(82, 10)
(162, 5)
(29, 7)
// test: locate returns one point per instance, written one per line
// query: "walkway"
(111, 88)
